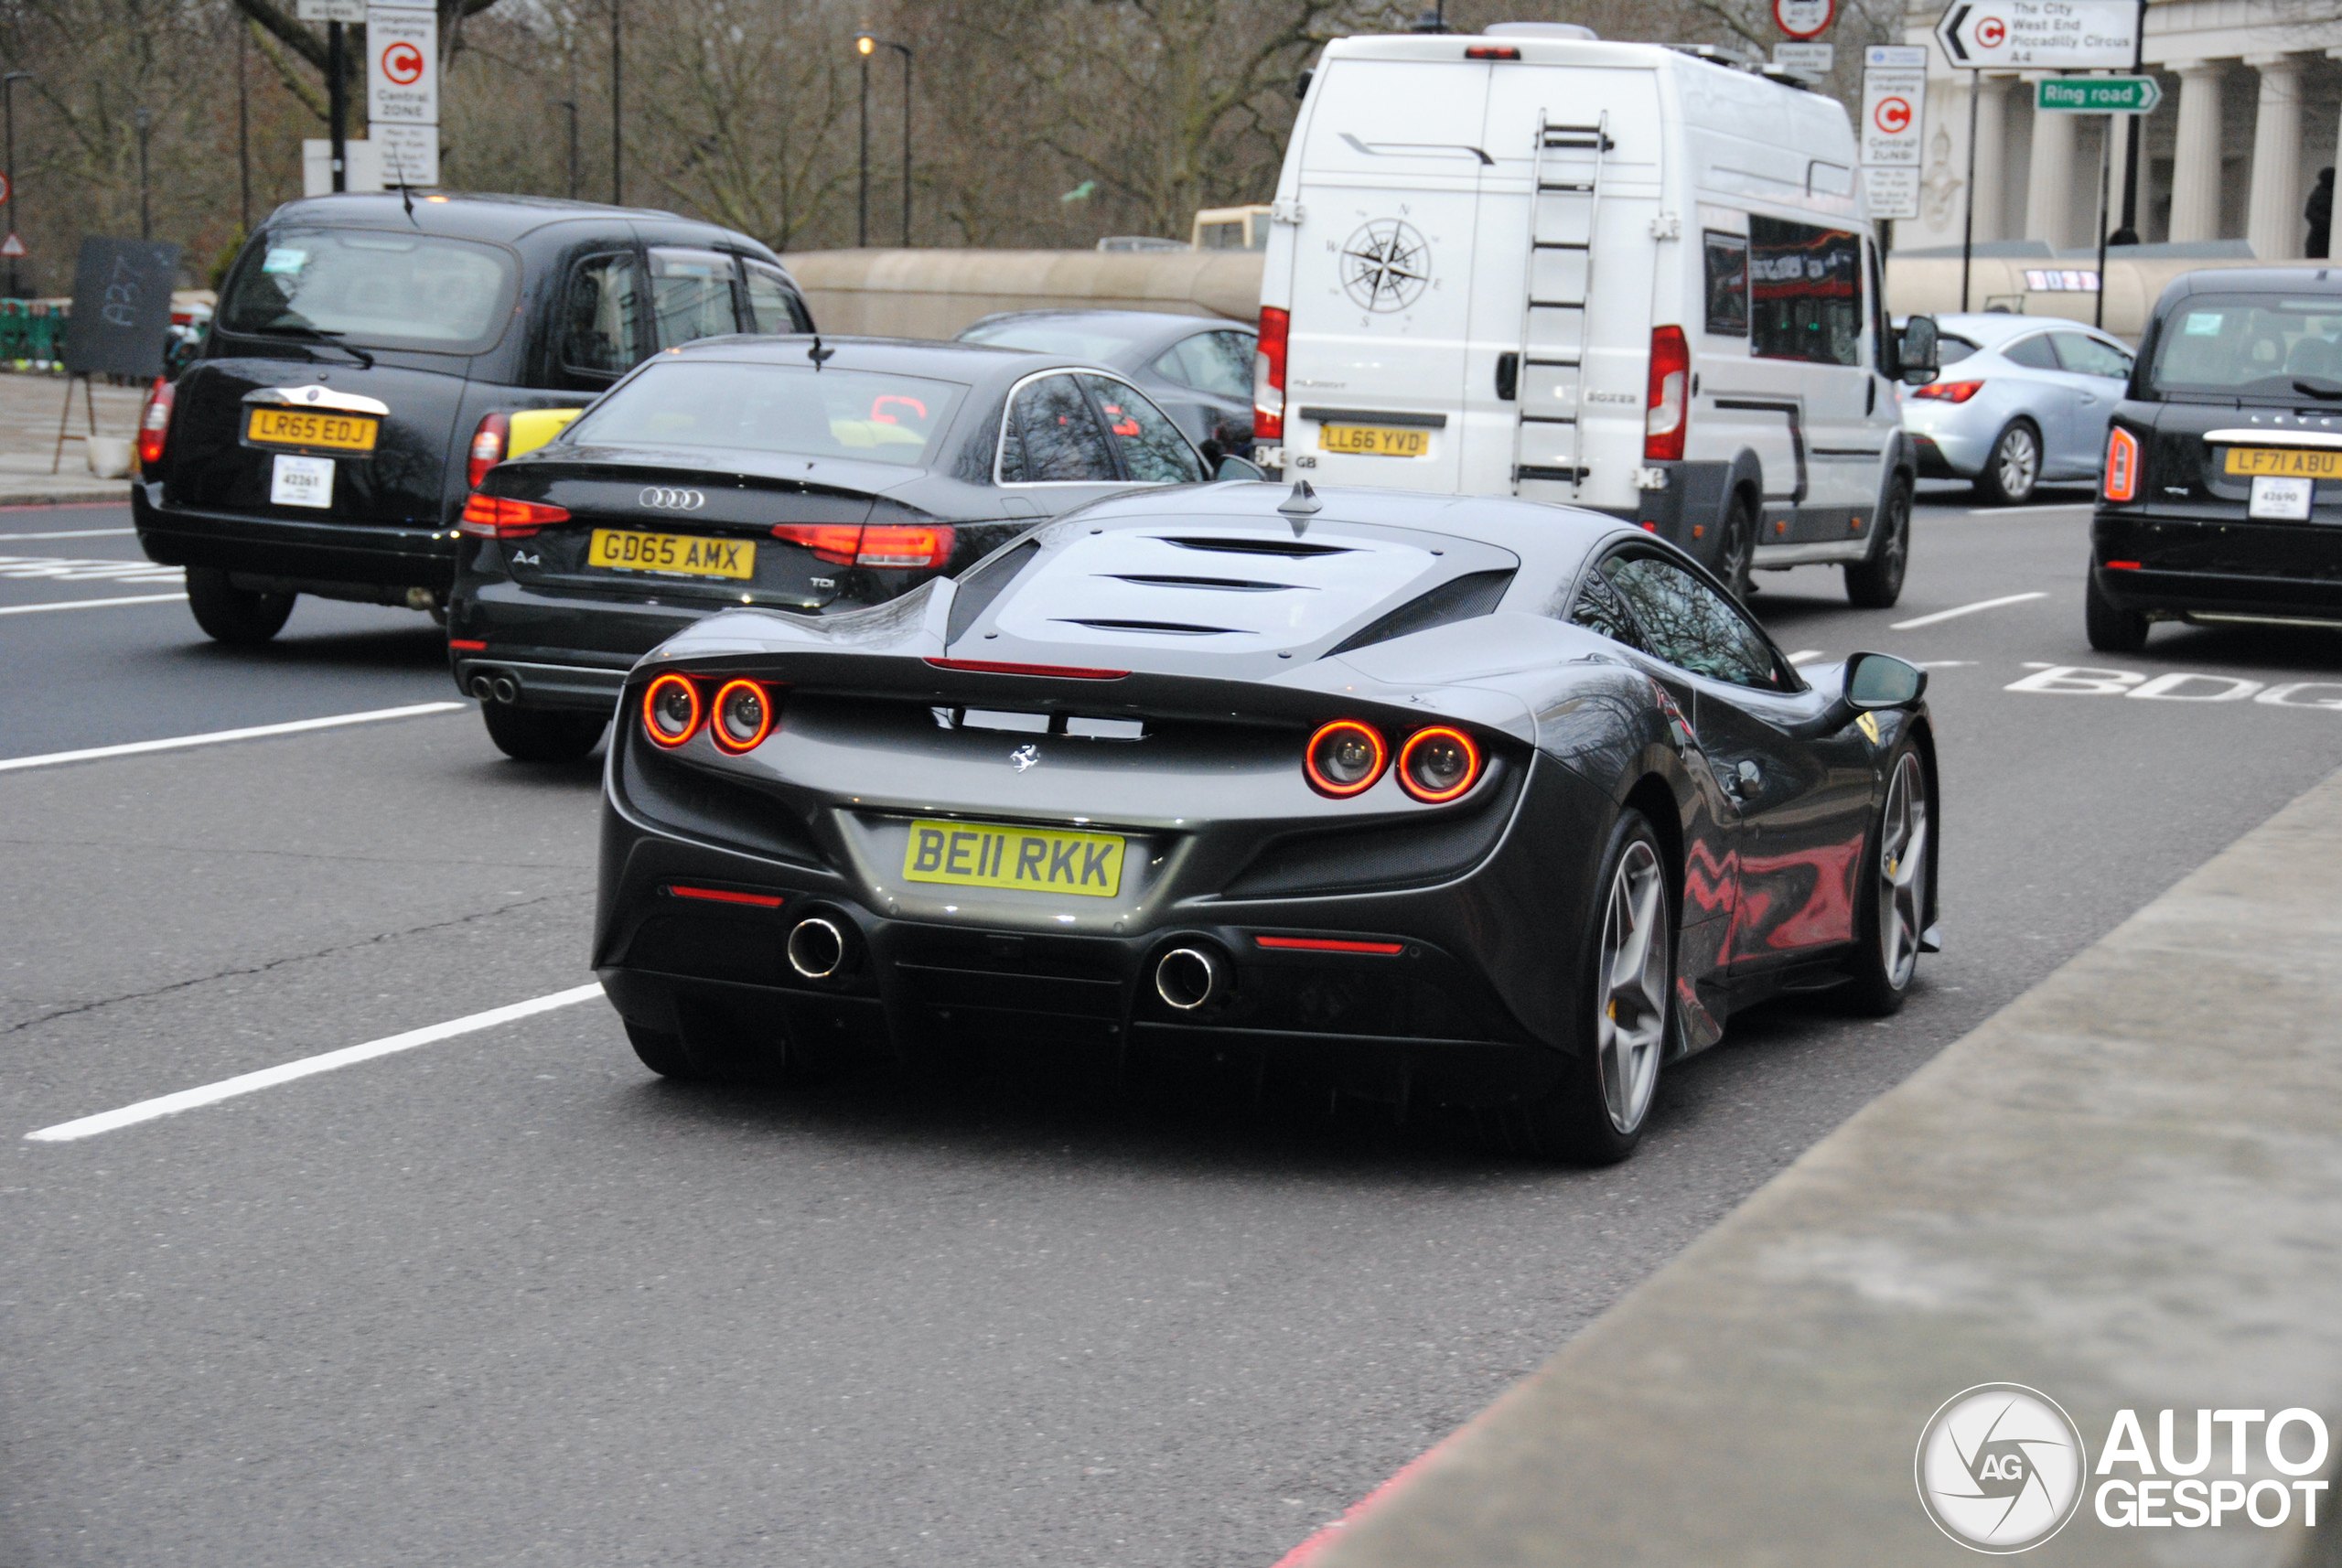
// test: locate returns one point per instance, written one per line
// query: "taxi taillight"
(487, 447)
(2121, 465)
(155, 424)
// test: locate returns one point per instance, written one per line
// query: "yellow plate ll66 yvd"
(627, 550)
(1030, 860)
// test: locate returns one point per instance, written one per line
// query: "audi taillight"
(2121, 465)
(671, 711)
(1667, 405)
(1345, 757)
(1948, 391)
(743, 714)
(1268, 375)
(487, 447)
(155, 424)
(498, 517)
(1438, 764)
(879, 544)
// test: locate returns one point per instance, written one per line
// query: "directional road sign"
(2099, 94)
(2038, 34)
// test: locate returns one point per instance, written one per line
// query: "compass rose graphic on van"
(1386, 265)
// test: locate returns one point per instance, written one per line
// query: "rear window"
(2252, 344)
(864, 414)
(375, 288)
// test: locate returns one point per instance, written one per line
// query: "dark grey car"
(1197, 368)
(783, 472)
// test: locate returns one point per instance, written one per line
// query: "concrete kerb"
(2124, 1190)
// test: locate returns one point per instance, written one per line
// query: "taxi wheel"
(2013, 472)
(540, 735)
(231, 615)
(2111, 629)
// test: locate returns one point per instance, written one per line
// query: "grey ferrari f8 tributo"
(1466, 801)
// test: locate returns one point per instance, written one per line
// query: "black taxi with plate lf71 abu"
(790, 473)
(373, 354)
(2223, 497)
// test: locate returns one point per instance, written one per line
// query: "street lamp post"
(571, 104)
(866, 45)
(617, 144)
(146, 220)
(15, 197)
(243, 135)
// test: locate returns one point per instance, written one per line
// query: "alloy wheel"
(1631, 1027)
(2016, 464)
(1903, 872)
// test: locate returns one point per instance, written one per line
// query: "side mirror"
(1883, 680)
(1232, 468)
(1916, 357)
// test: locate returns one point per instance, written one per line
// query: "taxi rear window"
(2253, 345)
(373, 288)
(869, 415)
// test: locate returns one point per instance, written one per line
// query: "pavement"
(30, 406)
(505, 1298)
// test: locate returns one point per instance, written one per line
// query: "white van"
(1689, 337)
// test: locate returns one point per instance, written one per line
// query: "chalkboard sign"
(121, 308)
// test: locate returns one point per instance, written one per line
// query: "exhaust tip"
(1187, 978)
(483, 688)
(507, 689)
(816, 948)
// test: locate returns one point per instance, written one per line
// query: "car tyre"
(1891, 915)
(540, 735)
(1597, 1114)
(663, 1053)
(241, 618)
(1877, 582)
(2111, 629)
(1738, 551)
(2012, 470)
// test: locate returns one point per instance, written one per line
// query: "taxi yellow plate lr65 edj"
(1030, 860)
(313, 429)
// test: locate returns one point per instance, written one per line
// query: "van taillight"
(487, 447)
(1667, 405)
(1268, 375)
(155, 425)
(2121, 465)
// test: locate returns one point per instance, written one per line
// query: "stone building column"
(2274, 222)
(1991, 154)
(2196, 161)
(2049, 184)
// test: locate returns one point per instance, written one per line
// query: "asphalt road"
(505, 1298)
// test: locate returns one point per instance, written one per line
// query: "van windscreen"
(374, 288)
(2252, 345)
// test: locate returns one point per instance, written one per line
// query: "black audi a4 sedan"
(788, 473)
(372, 354)
(2223, 486)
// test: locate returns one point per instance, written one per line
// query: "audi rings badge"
(660, 500)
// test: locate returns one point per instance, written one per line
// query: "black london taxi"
(368, 360)
(2222, 498)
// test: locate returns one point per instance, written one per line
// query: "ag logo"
(2000, 1468)
(1386, 265)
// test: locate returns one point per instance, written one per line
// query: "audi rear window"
(372, 288)
(2263, 345)
(869, 415)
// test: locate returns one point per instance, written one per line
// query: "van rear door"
(1382, 276)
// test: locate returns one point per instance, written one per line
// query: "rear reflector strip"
(724, 895)
(468, 645)
(1062, 671)
(2121, 565)
(1328, 944)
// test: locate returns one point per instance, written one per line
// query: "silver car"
(2021, 401)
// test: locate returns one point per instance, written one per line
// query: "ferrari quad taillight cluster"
(737, 717)
(1435, 763)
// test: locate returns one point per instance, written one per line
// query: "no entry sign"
(1804, 18)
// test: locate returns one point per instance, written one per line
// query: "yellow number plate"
(625, 549)
(1036, 860)
(2288, 464)
(1374, 440)
(306, 428)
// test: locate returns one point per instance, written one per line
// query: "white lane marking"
(74, 533)
(1945, 664)
(2021, 510)
(1966, 610)
(306, 1067)
(85, 569)
(1802, 654)
(91, 603)
(131, 748)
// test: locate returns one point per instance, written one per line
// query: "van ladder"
(1565, 208)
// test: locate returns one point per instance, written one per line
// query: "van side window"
(601, 316)
(1879, 340)
(1808, 283)
(773, 305)
(1727, 284)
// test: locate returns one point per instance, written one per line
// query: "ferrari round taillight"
(671, 711)
(742, 716)
(1345, 757)
(1438, 764)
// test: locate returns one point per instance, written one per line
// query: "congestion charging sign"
(2055, 35)
(1895, 97)
(403, 91)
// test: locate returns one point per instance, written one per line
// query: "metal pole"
(907, 146)
(146, 220)
(2105, 174)
(617, 186)
(862, 208)
(336, 106)
(244, 134)
(8, 98)
(571, 104)
(1967, 223)
(2131, 136)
